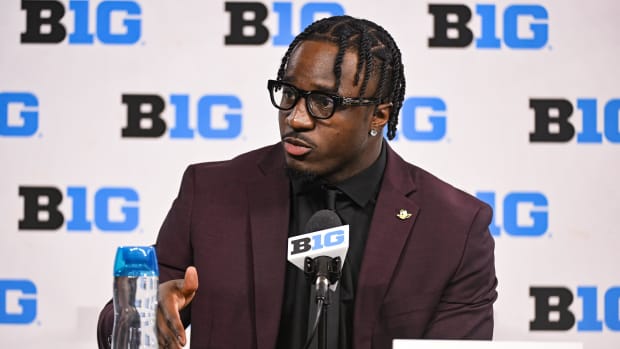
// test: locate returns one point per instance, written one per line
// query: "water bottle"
(136, 283)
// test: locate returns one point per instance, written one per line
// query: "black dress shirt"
(355, 204)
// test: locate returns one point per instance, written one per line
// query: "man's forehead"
(313, 84)
(328, 47)
(314, 63)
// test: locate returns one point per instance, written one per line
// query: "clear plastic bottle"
(136, 284)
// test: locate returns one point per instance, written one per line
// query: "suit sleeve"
(105, 325)
(174, 253)
(174, 247)
(466, 307)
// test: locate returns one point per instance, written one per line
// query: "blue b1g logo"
(19, 114)
(423, 119)
(552, 120)
(552, 309)
(43, 22)
(522, 213)
(451, 26)
(42, 209)
(247, 20)
(18, 301)
(206, 115)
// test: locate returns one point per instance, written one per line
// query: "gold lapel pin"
(403, 214)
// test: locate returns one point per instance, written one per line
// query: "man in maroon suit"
(420, 262)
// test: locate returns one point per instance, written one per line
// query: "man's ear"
(381, 116)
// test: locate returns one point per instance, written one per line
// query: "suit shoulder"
(436, 193)
(237, 168)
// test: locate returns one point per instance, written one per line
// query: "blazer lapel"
(268, 198)
(389, 232)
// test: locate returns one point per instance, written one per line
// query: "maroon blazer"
(429, 276)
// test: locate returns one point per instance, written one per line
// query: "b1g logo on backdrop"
(217, 116)
(247, 21)
(46, 22)
(524, 214)
(18, 301)
(552, 309)
(422, 119)
(19, 114)
(115, 209)
(452, 26)
(552, 121)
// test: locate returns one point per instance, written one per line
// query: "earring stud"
(373, 132)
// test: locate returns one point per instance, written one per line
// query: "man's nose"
(299, 117)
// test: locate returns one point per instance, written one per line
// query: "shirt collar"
(364, 186)
(360, 188)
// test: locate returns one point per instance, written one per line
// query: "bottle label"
(135, 312)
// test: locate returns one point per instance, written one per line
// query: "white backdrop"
(116, 190)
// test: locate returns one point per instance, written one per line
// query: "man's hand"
(174, 295)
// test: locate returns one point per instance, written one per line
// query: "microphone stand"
(324, 271)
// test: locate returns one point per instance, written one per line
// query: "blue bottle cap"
(136, 261)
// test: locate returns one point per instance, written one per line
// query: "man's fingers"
(174, 295)
(190, 283)
(169, 328)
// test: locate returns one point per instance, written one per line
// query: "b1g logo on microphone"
(332, 242)
(115, 209)
(18, 302)
(423, 119)
(552, 121)
(317, 241)
(217, 116)
(552, 309)
(247, 21)
(523, 214)
(452, 27)
(116, 22)
(19, 114)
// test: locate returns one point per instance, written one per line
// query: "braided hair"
(376, 51)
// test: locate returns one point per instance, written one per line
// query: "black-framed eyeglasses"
(320, 105)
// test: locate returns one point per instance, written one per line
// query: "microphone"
(322, 249)
(320, 253)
